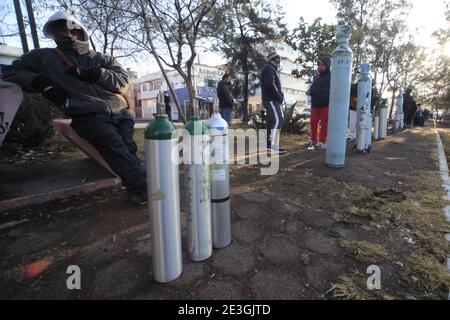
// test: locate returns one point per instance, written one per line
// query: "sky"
(426, 17)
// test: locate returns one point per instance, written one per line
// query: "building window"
(210, 83)
(144, 87)
(156, 85)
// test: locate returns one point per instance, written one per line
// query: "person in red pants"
(320, 98)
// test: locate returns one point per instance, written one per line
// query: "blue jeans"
(226, 114)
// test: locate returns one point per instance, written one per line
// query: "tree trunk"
(191, 89)
(166, 78)
(392, 103)
(105, 42)
(161, 67)
(92, 43)
(245, 70)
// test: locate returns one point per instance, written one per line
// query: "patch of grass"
(139, 138)
(363, 250)
(350, 288)
(432, 275)
(354, 287)
(305, 258)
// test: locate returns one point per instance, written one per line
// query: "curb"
(58, 194)
(444, 171)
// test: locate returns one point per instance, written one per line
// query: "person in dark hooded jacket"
(226, 101)
(320, 100)
(409, 107)
(167, 105)
(272, 99)
(87, 86)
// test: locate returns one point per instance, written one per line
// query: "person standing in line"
(167, 105)
(226, 101)
(272, 99)
(320, 100)
(353, 112)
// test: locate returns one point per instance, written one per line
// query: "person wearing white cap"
(272, 98)
(87, 86)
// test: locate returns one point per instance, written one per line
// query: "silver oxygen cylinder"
(341, 72)
(160, 106)
(164, 199)
(376, 131)
(383, 119)
(364, 97)
(220, 181)
(198, 190)
(369, 123)
(308, 96)
(361, 130)
(399, 116)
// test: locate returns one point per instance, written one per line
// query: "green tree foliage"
(241, 30)
(312, 41)
(437, 78)
(32, 124)
(377, 26)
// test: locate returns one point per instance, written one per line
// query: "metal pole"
(23, 35)
(164, 199)
(34, 34)
(341, 72)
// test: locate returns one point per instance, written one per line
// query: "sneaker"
(321, 146)
(310, 144)
(278, 149)
(138, 198)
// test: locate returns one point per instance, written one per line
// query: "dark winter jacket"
(409, 104)
(270, 84)
(224, 94)
(320, 88)
(84, 97)
(354, 97)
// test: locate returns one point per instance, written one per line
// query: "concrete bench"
(11, 97)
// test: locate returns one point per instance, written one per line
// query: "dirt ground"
(310, 232)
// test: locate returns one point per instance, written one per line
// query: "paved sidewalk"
(309, 232)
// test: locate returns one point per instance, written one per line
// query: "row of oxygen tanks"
(340, 88)
(207, 191)
(366, 119)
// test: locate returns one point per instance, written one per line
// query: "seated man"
(87, 86)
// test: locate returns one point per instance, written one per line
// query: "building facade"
(205, 79)
(8, 54)
(294, 89)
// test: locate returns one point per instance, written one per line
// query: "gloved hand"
(50, 90)
(88, 74)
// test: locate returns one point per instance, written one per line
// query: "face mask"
(322, 68)
(77, 46)
(276, 64)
